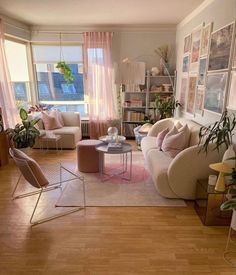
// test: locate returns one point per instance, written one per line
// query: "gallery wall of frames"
(208, 77)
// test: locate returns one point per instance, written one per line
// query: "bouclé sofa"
(70, 133)
(176, 177)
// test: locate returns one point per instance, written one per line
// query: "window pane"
(52, 86)
(17, 61)
(52, 54)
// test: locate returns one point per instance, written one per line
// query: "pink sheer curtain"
(99, 81)
(7, 100)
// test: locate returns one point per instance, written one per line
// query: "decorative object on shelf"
(112, 133)
(219, 133)
(63, 68)
(24, 134)
(166, 106)
(155, 71)
(164, 53)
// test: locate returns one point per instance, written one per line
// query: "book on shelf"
(114, 146)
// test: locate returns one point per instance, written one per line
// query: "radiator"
(85, 128)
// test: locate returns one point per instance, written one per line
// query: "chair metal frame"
(49, 187)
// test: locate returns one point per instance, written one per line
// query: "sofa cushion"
(51, 121)
(174, 142)
(160, 137)
(66, 130)
(148, 143)
(56, 113)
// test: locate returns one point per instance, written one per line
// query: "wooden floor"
(106, 240)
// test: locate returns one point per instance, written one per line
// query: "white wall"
(220, 12)
(140, 45)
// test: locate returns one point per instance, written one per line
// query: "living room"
(147, 206)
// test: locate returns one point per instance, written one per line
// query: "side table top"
(209, 189)
(126, 147)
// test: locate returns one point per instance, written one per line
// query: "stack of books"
(114, 147)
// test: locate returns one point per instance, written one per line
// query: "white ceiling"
(98, 12)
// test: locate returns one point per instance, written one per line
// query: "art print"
(187, 44)
(205, 40)
(191, 93)
(202, 71)
(232, 92)
(185, 64)
(183, 92)
(195, 49)
(199, 100)
(220, 48)
(215, 92)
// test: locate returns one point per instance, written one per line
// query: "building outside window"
(16, 54)
(51, 87)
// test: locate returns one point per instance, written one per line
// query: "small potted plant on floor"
(25, 133)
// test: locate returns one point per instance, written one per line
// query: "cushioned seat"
(87, 156)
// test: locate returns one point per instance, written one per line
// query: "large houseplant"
(25, 133)
(64, 69)
(166, 106)
(220, 133)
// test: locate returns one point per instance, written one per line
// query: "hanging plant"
(64, 69)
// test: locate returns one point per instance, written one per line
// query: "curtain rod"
(56, 32)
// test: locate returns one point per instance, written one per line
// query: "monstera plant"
(25, 133)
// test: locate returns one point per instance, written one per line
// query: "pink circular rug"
(139, 174)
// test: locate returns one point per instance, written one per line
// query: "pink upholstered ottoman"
(87, 156)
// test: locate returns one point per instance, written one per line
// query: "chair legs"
(51, 187)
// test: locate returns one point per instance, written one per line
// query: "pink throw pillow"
(51, 121)
(57, 113)
(174, 142)
(38, 178)
(160, 137)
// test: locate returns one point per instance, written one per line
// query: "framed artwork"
(234, 56)
(220, 48)
(202, 71)
(195, 49)
(232, 92)
(206, 33)
(215, 92)
(191, 93)
(183, 92)
(187, 44)
(199, 100)
(185, 64)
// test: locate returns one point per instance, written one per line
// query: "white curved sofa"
(176, 177)
(70, 133)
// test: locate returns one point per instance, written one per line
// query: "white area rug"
(140, 191)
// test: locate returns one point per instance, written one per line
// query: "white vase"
(229, 153)
(233, 220)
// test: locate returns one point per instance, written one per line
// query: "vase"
(229, 153)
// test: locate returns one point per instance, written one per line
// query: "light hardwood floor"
(106, 240)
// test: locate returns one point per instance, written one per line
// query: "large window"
(18, 67)
(52, 88)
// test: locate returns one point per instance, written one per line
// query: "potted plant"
(24, 134)
(64, 69)
(166, 106)
(219, 133)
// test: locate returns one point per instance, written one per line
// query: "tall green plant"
(219, 133)
(24, 134)
(166, 106)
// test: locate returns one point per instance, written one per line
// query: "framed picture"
(232, 92)
(206, 33)
(195, 49)
(199, 100)
(191, 93)
(187, 44)
(220, 48)
(183, 92)
(215, 92)
(185, 64)
(202, 71)
(234, 56)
